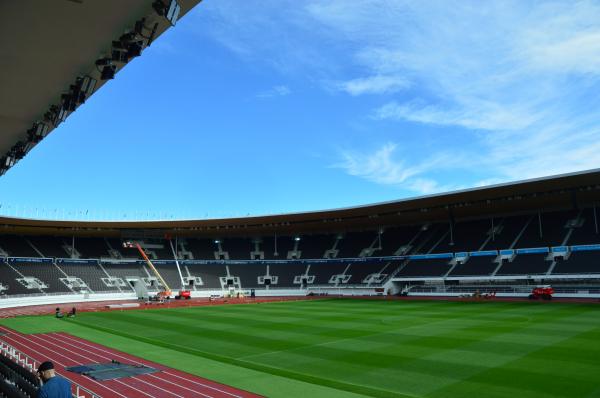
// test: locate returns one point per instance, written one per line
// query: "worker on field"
(53, 386)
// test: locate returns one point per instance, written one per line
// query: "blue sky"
(260, 107)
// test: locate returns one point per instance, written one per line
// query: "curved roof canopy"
(560, 192)
(47, 49)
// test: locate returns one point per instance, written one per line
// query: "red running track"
(66, 350)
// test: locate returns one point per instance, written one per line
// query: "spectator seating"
(360, 270)
(436, 267)
(475, 266)
(248, 273)
(525, 264)
(16, 381)
(579, 262)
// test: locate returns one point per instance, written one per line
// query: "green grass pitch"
(353, 348)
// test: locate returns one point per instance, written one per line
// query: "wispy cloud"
(518, 81)
(377, 84)
(385, 166)
(276, 91)
(522, 77)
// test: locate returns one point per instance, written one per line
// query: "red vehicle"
(184, 294)
(542, 292)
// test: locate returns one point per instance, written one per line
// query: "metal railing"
(77, 390)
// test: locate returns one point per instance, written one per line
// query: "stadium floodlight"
(56, 115)
(37, 132)
(108, 72)
(69, 102)
(135, 49)
(128, 46)
(87, 85)
(119, 51)
(171, 12)
(108, 69)
(62, 114)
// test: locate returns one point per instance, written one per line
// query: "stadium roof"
(565, 191)
(47, 45)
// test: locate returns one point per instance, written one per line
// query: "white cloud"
(376, 84)
(276, 91)
(519, 78)
(383, 166)
(522, 77)
(480, 115)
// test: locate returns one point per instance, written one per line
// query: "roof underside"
(46, 45)
(545, 194)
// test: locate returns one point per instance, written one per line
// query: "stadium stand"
(286, 274)
(426, 267)
(475, 266)
(505, 240)
(525, 264)
(580, 262)
(360, 270)
(352, 244)
(210, 274)
(315, 246)
(248, 273)
(15, 380)
(91, 247)
(202, 248)
(17, 246)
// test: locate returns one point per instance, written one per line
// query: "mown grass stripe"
(375, 392)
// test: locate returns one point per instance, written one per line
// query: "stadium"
(490, 291)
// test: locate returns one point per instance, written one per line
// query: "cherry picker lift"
(166, 292)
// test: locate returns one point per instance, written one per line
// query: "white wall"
(24, 301)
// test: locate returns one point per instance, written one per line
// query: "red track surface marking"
(66, 350)
(178, 375)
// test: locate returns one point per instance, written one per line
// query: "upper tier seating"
(475, 266)
(393, 239)
(525, 264)
(426, 267)
(353, 243)
(17, 246)
(284, 245)
(587, 234)
(580, 262)
(315, 246)
(91, 247)
(202, 249)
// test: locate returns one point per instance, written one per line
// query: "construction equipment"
(166, 293)
(542, 292)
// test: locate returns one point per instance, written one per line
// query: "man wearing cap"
(54, 386)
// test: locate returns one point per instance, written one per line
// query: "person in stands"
(53, 386)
